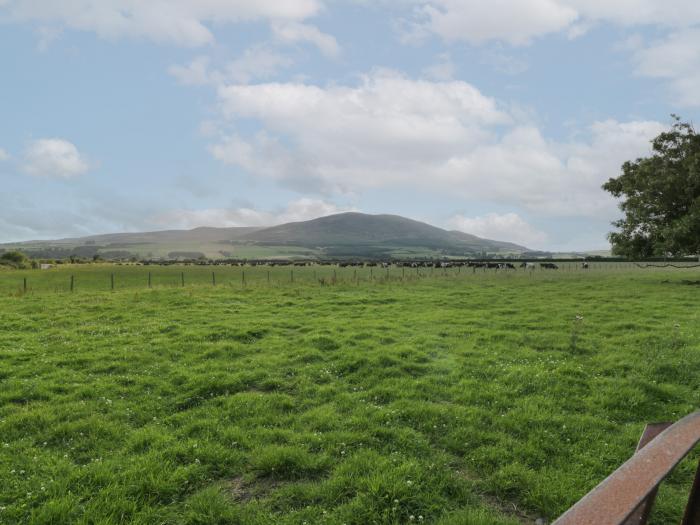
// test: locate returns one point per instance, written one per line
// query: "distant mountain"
(354, 230)
(340, 235)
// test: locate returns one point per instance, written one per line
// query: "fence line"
(134, 277)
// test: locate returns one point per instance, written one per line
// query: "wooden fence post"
(149, 279)
(25, 285)
(111, 279)
(213, 279)
(71, 283)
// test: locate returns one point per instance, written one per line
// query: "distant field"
(452, 398)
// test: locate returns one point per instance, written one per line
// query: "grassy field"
(457, 399)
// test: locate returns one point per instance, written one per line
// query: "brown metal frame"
(627, 496)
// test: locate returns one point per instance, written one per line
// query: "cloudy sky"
(498, 118)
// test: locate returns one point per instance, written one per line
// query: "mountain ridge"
(343, 235)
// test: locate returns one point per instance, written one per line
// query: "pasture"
(377, 396)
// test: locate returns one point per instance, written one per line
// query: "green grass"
(470, 398)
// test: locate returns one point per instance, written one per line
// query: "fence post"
(242, 277)
(25, 285)
(213, 279)
(149, 279)
(291, 276)
(111, 279)
(182, 278)
(268, 277)
(71, 283)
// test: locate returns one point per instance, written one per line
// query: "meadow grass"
(465, 398)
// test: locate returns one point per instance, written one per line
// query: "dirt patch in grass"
(242, 491)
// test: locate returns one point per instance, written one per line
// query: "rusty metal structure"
(627, 496)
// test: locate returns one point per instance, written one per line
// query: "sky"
(501, 118)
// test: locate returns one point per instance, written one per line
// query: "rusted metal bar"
(640, 516)
(616, 499)
(692, 509)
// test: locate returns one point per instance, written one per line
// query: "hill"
(340, 235)
(350, 233)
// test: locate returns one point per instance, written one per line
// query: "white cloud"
(196, 73)
(518, 22)
(514, 21)
(4, 155)
(675, 58)
(54, 158)
(257, 62)
(293, 32)
(440, 137)
(507, 227)
(669, 13)
(181, 22)
(298, 210)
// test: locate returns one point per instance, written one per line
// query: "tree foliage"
(660, 198)
(14, 257)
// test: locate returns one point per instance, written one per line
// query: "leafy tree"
(14, 257)
(660, 198)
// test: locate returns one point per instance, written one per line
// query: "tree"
(660, 197)
(14, 258)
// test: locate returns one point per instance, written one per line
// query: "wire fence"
(77, 278)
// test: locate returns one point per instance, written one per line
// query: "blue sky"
(500, 119)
